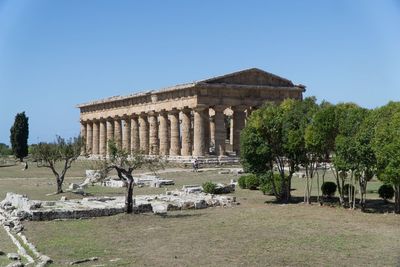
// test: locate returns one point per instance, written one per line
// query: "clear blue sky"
(56, 54)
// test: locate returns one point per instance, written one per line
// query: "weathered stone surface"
(44, 260)
(13, 256)
(106, 206)
(15, 264)
(192, 188)
(114, 183)
(240, 92)
(160, 208)
(224, 188)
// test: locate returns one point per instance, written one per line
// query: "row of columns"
(166, 132)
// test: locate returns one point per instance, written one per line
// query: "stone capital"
(163, 112)
(186, 110)
(152, 113)
(219, 108)
(239, 108)
(174, 111)
(200, 107)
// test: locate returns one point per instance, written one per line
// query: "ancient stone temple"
(197, 119)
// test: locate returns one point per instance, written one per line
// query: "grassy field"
(255, 233)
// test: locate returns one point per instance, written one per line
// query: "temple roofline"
(205, 83)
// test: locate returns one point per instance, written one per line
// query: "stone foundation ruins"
(19, 206)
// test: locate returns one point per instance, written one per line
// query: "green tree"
(19, 136)
(365, 159)
(274, 137)
(319, 138)
(386, 144)
(346, 162)
(47, 155)
(5, 150)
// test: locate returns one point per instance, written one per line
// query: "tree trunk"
(129, 197)
(318, 187)
(59, 186)
(397, 199)
(363, 193)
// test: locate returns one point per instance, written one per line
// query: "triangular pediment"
(252, 76)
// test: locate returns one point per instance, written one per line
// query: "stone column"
(103, 138)
(96, 135)
(231, 131)
(83, 135)
(212, 132)
(206, 119)
(163, 133)
(135, 140)
(118, 132)
(153, 133)
(126, 134)
(220, 131)
(239, 118)
(186, 145)
(110, 132)
(89, 138)
(199, 131)
(175, 147)
(144, 133)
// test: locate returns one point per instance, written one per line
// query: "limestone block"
(159, 208)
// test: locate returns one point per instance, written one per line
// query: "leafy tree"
(124, 164)
(349, 118)
(364, 158)
(49, 154)
(261, 142)
(386, 144)
(319, 138)
(274, 137)
(5, 150)
(19, 136)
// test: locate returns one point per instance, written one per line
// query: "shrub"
(386, 192)
(209, 187)
(347, 188)
(328, 189)
(242, 181)
(266, 184)
(252, 182)
(266, 189)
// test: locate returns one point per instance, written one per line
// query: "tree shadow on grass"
(371, 206)
(175, 216)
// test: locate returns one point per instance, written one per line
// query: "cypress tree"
(19, 136)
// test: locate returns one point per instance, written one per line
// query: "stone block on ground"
(13, 256)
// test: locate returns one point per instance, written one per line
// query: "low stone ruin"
(19, 206)
(220, 188)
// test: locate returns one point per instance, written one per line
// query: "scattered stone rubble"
(10, 220)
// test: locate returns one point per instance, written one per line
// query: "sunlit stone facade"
(197, 119)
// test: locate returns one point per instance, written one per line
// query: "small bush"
(242, 181)
(328, 189)
(347, 188)
(209, 187)
(266, 189)
(386, 192)
(266, 183)
(252, 182)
